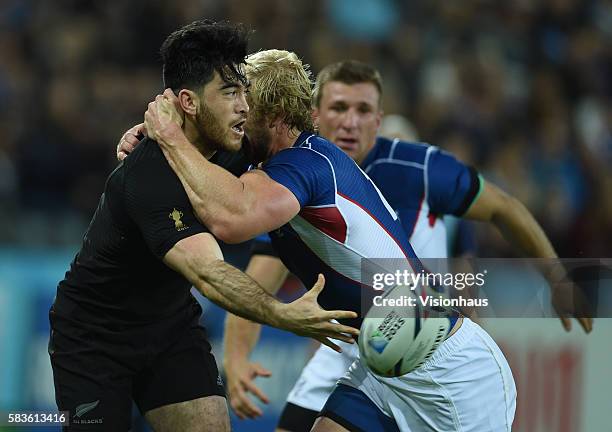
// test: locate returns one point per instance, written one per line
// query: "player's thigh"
(295, 418)
(92, 405)
(466, 385)
(483, 390)
(93, 386)
(352, 409)
(472, 385)
(324, 424)
(205, 414)
(183, 378)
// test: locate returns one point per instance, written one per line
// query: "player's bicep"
(191, 255)
(158, 205)
(273, 204)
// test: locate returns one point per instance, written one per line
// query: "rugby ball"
(397, 338)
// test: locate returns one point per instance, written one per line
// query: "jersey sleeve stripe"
(430, 150)
(394, 162)
(393, 146)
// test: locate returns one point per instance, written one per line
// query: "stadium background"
(520, 89)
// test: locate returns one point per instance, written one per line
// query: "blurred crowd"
(521, 89)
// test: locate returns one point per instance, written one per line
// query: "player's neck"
(360, 158)
(283, 138)
(194, 137)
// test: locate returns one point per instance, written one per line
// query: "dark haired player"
(124, 324)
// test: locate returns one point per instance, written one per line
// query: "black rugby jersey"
(118, 276)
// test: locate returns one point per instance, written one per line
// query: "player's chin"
(233, 144)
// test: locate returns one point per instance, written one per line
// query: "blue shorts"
(352, 409)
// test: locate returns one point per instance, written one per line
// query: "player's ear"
(314, 114)
(278, 127)
(189, 101)
(380, 113)
(379, 117)
(274, 124)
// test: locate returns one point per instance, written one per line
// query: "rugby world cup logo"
(378, 342)
(176, 216)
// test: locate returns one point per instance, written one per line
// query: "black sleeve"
(156, 201)
(234, 162)
(262, 245)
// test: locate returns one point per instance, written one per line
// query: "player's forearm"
(215, 193)
(520, 229)
(240, 338)
(233, 290)
(242, 335)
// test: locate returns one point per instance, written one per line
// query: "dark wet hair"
(194, 52)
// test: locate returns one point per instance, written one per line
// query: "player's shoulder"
(396, 150)
(308, 147)
(315, 143)
(145, 169)
(146, 152)
(326, 150)
(147, 159)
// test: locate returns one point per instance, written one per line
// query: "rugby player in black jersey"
(124, 324)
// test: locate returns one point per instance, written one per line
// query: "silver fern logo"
(83, 409)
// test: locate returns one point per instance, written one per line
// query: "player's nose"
(349, 120)
(242, 106)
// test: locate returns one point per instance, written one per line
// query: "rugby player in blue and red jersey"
(324, 214)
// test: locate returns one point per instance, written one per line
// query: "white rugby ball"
(395, 340)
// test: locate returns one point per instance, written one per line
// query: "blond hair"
(281, 87)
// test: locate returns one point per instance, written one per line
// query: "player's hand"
(569, 301)
(306, 318)
(129, 141)
(240, 376)
(164, 117)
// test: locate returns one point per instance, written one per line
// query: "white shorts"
(465, 386)
(320, 375)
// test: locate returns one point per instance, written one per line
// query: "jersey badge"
(176, 216)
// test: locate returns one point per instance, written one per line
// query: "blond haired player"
(351, 110)
(324, 215)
